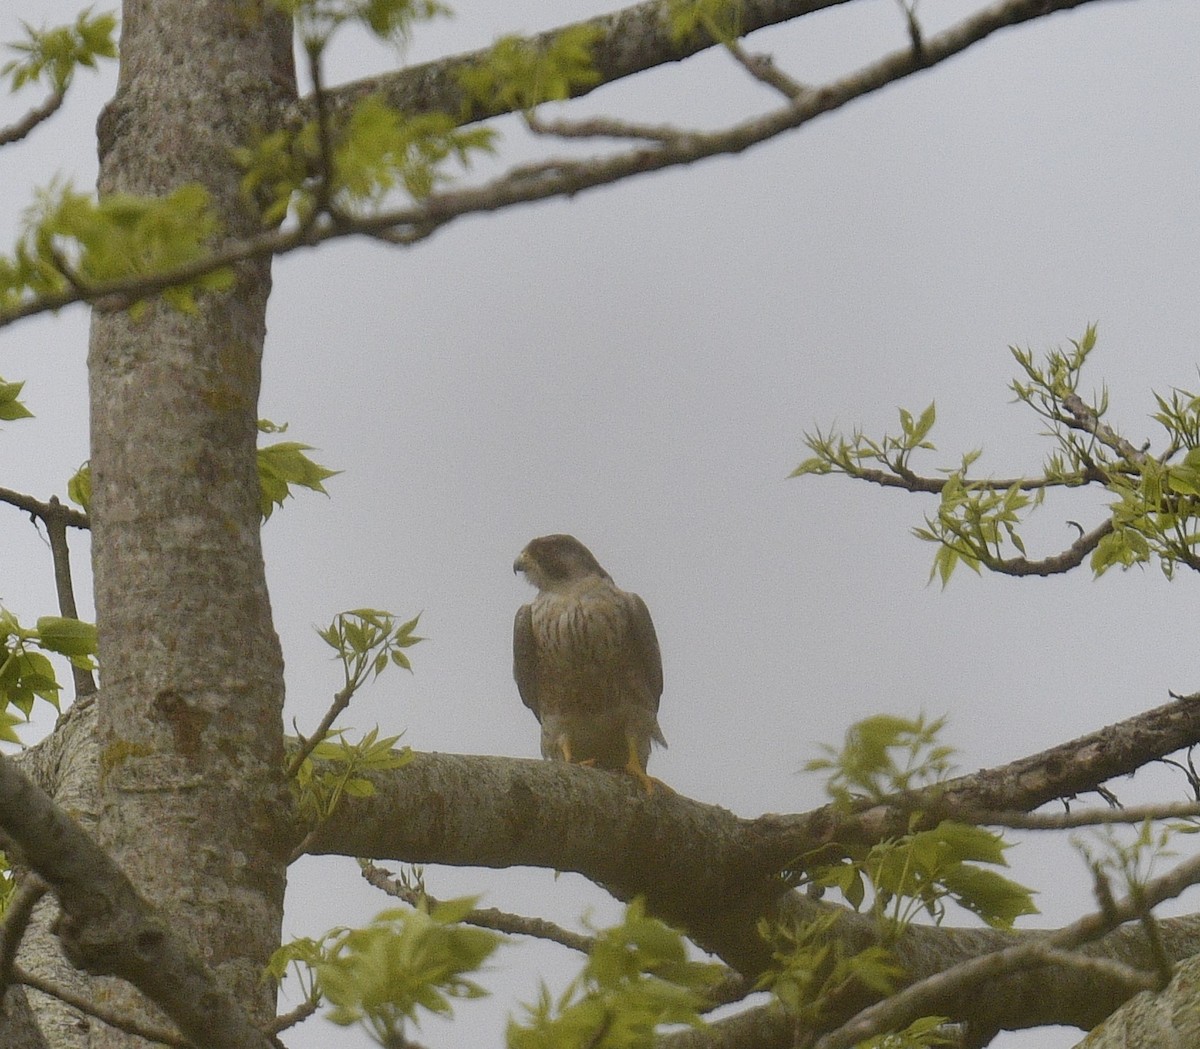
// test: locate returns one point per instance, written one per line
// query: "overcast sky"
(637, 366)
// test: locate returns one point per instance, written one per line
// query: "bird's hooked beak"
(521, 564)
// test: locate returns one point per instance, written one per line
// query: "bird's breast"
(578, 630)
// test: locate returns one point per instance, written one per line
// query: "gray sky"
(637, 366)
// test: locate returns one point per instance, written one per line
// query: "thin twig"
(763, 69)
(341, 700)
(485, 918)
(291, 1018)
(39, 114)
(605, 127)
(1081, 417)
(16, 921)
(56, 531)
(1087, 817)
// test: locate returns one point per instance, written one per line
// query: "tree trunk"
(189, 713)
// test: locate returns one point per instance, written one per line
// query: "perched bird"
(586, 660)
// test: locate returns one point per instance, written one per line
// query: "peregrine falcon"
(586, 660)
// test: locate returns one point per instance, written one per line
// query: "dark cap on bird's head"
(556, 559)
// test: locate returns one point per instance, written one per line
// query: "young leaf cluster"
(54, 54)
(366, 640)
(337, 768)
(637, 977)
(1157, 508)
(810, 967)
(860, 456)
(282, 465)
(974, 523)
(375, 151)
(884, 755)
(26, 674)
(72, 241)
(1129, 862)
(519, 74)
(404, 964)
(11, 408)
(1154, 513)
(921, 870)
(927, 1031)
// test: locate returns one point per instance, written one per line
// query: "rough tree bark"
(190, 714)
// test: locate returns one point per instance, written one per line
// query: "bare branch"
(484, 917)
(1101, 968)
(698, 866)
(39, 114)
(292, 1017)
(16, 921)
(763, 69)
(56, 531)
(1081, 417)
(604, 127)
(1088, 817)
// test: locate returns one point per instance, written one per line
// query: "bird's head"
(554, 562)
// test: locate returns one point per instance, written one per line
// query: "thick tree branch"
(715, 874)
(692, 859)
(632, 40)
(107, 928)
(426, 88)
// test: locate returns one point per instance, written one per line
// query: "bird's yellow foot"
(634, 767)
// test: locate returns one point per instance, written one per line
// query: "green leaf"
(71, 239)
(68, 637)
(79, 487)
(447, 912)
(404, 963)
(11, 408)
(390, 20)
(54, 54)
(8, 732)
(282, 466)
(811, 466)
(24, 677)
(883, 755)
(636, 979)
